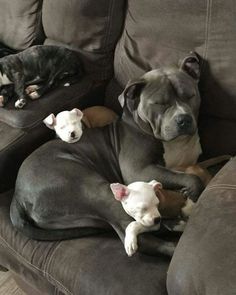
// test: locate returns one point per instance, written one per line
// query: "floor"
(8, 285)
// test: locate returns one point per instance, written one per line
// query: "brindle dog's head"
(165, 102)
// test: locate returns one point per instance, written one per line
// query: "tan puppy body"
(98, 116)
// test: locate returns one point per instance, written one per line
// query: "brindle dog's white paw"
(31, 88)
(20, 103)
(131, 245)
(1, 101)
(34, 95)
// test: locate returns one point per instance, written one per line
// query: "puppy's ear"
(131, 91)
(119, 190)
(77, 112)
(156, 185)
(50, 121)
(191, 65)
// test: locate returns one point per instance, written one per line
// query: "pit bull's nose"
(72, 134)
(157, 220)
(184, 121)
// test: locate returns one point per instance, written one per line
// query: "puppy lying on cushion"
(38, 69)
(148, 202)
(68, 124)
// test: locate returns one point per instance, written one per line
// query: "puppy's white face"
(139, 200)
(67, 125)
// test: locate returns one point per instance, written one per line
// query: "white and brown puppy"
(68, 124)
(148, 202)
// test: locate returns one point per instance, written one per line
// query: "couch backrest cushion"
(20, 23)
(159, 32)
(90, 26)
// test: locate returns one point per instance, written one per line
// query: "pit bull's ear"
(119, 191)
(156, 185)
(77, 112)
(50, 121)
(191, 65)
(131, 91)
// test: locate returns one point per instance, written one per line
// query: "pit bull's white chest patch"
(183, 151)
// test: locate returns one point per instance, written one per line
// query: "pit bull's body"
(70, 190)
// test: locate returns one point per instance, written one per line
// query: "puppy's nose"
(72, 134)
(157, 220)
(184, 121)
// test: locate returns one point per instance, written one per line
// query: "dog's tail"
(214, 161)
(23, 223)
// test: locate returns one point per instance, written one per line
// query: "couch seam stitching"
(207, 29)
(35, 267)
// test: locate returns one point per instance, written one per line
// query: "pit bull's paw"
(20, 103)
(131, 245)
(34, 95)
(31, 88)
(67, 84)
(187, 209)
(193, 189)
(1, 101)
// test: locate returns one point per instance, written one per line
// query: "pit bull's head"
(139, 200)
(165, 102)
(67, 125)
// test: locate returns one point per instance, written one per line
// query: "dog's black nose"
(72, 134)
(184, 121)
(157, 220)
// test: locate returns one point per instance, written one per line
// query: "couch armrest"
(205, 259)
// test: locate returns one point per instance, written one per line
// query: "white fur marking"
(187, 209)
(4, 79)
(182, 151)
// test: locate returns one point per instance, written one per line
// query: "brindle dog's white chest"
(183, 151)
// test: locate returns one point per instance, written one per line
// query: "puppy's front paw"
(20, 103)
(131, 245)
(1, 101)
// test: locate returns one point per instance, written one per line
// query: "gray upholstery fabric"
(88, 26)
(20, 23)
(204, 260)
(87, 266)
(159, 33)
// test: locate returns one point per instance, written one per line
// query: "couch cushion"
(94, 265)
(20, 23)
(163, 32)
(54, 101)
(89, 27)
(204, 261)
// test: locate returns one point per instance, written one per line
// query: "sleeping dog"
(68, 125)
(69, 195)
(36, 70)
(147, 203)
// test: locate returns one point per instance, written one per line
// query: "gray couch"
(120, 40)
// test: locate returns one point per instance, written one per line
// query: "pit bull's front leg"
(190, 185)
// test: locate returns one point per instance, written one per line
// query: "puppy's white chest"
(183, 151)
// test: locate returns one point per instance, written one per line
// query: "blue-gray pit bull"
(63, 190)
